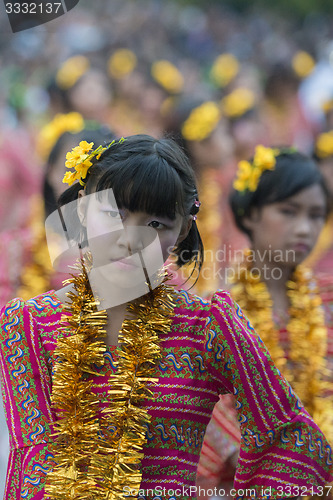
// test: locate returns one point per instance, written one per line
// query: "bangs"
(149, 185)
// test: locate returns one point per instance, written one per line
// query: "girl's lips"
(301, 247)
(126, 263)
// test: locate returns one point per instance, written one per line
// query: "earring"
(83, 239)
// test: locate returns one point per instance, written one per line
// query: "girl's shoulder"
(29, 326)
(221, 299)
(43, 305)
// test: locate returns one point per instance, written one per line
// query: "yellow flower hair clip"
(303, 63)
(72, 122)
(80, 159)
(168, 76)
(71, 71)
(324, 145)
(201, 122)
(248, 174)
(225, 68)
(121, 63)
(238, 102)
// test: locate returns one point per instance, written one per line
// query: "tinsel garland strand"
(139, 341)
(307, 336)
(97, 456)
(76, 431)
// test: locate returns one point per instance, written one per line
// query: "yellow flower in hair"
(254, 178)
(248, 174)
(71, 70)
(243, 175)
(303, 64)
(238, 102)
(70, 122)
(168, 76)
(264, 158)
(79, 159)
(324, 145)
(70, 178)
(121, 63)
(78, 154)
(201, 122)
(224, 69)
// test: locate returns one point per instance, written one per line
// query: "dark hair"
(293, 172)
(93, 132)
(149, 175)
(280, 77)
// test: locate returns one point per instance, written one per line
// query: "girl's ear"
(185, 230)
(81, 207)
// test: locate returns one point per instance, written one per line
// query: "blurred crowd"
(218, 81)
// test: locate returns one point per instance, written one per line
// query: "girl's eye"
(112, 213)
(156, 225)
(288, 211)
(318, 215)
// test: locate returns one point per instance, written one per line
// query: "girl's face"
(284, 233)
(215, 151)
(128, 244)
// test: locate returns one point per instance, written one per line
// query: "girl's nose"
(303, 226)
(132, 238)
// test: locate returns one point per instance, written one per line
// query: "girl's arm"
(283, 452)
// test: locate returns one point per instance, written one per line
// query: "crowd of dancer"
(251, 104)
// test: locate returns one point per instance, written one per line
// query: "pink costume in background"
(19, 181)
(209, 350)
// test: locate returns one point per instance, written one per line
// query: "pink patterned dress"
(209, 350)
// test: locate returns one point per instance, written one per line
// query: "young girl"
(97, 413)
(280, 201)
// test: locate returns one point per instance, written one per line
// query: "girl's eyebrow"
(298, 205)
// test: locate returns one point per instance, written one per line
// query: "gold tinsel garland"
(323, 244)
(307, 336)
(98, 453)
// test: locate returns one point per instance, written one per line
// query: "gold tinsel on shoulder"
(98, 455)
(305, 369)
